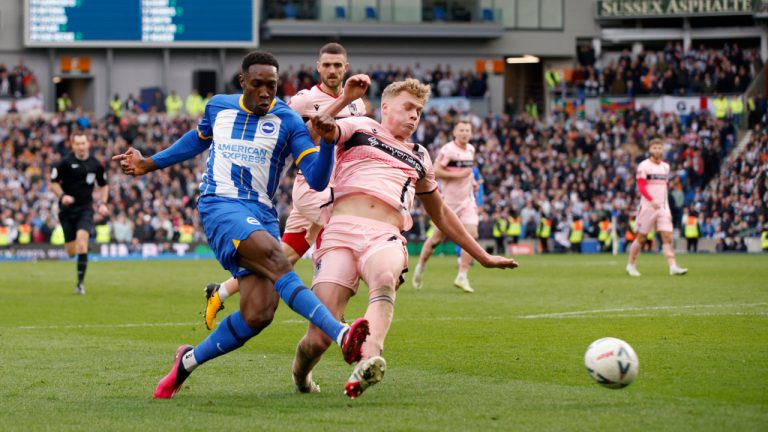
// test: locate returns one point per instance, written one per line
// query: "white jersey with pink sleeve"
(308, 103)
(371, 161)
(454, 158)
(656, 176)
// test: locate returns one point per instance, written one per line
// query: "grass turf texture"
(508, 357)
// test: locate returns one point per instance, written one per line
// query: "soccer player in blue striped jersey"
(250, 136)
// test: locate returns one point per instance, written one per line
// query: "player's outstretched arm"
(188, 146)
(447, 222)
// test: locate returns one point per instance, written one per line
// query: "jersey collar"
(242, 105)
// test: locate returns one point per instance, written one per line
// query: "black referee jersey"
(77, 178)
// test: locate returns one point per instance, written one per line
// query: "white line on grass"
(635, 309)
(618, 313)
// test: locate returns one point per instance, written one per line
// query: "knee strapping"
(384, 291)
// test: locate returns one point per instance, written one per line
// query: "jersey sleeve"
(642, 172)
(101, 177)
(298, 137)
(56, 172)
(205, 127)
(428, 184)
(360, 104)
(347, 128)
(442, 157)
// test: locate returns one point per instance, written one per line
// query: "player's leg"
(244, 237)
(215, 295)
(81, 250)
(340, 276)
(382, 271)
(669, 254)
(465, 260)
(644, 222)
(258, 301)
(665, 228)
(262, 254)
(634, 251)
(427, 250)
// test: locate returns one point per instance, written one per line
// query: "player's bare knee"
(257, 319)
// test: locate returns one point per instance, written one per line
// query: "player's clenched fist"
(325, 126)
(356, 86)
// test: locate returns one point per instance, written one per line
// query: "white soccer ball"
(611, 362)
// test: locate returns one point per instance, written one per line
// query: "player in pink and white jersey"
(304, 221)
(654, 212)
(453, 166)
(377, 175)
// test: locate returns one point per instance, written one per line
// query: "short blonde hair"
(410, 85)
(655, 141)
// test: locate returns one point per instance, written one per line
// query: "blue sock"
(230, 335)
(305, 303)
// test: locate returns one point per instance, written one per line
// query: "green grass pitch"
(508, 357)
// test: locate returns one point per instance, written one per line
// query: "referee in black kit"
(72, 180)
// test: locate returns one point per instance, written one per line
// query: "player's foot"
(352, 345)
(308, 386)
(463, 284)
(213, 305)
(171, 383)
(80, 289)
(417, 279)
(367, 373)
(677, 271)
(632, 271)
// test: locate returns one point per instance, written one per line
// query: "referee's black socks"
(82, 264)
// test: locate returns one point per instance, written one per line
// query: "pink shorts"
(649, 219)
(346, 244)
(466, 211)
(306, 214)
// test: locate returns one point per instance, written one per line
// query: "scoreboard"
(140, 23)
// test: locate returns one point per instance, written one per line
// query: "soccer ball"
(611, 362)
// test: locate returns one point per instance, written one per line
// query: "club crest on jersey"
(252, 221)
(352, 109)
(268, 128)
(90, 177)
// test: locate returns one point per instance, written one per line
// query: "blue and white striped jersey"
(248, 152)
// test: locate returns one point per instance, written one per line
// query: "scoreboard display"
(140, 23)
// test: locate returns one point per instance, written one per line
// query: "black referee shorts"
(75, 219)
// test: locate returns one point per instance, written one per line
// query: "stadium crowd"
(560, 169)
(671, 71)
(445, 81)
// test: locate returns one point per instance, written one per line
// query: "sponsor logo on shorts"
(268, 128)
(252, 221)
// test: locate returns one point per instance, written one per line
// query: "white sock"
(340, 337)
(462, 275)
(223, 293)
(188, 361)
(418, 268)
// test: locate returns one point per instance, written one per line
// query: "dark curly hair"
(260, 58)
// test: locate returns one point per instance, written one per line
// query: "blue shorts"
(228, 221)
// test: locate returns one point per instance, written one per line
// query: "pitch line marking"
(635, 309)
(556, 315)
